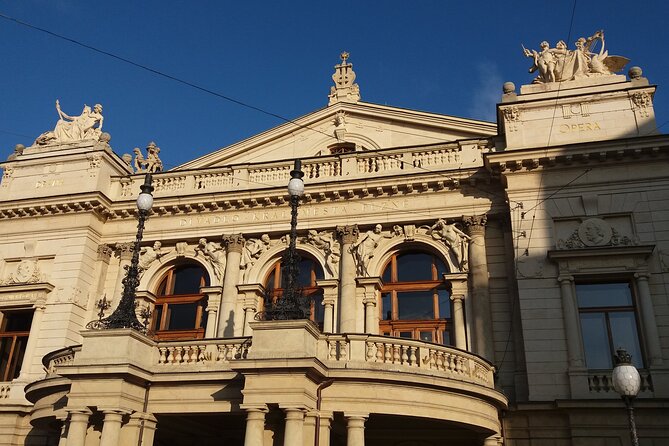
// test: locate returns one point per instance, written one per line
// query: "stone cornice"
(582, 154)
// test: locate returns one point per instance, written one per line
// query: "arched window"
(415, 299)
(179, 311)
(310, 271)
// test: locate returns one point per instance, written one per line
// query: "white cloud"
(487, 92)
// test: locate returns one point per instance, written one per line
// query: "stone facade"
(567, 191)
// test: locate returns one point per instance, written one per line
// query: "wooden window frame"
(395, 326)
(15, 356)
(165, 299)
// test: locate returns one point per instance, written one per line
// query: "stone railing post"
(253, 295)
(213, 294)
(330, 290)
(372, 287)
(226, 324)
(347, 301)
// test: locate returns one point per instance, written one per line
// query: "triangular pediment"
(362, 125)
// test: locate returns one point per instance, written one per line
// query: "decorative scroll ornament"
(595, 232)
(86, 126)
(26, 272)
(560, 64)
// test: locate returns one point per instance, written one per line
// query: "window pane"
(596, 341)
(187, 279)
(159, 315)
(182, 316)
(426, 336)
(386, 307)
(625, 334)
(386, 273)
(446, 337)
(317, 300)
(271, 279)
(18, 321)
(414, 266)
(444, 304)
(416, 305)
(604, 295)
(406, 334)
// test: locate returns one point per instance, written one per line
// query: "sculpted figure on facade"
(253, 249)
(363, 249)
(151, 163)
(150, 254)
(18, 151)
(456, 241)
(560, 64)
(324, 241)
(86, 126)
(214, 253)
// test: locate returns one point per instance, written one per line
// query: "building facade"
(468, 282)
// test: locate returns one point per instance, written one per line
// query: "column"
(111, 427)
(213, 294)
(309, 430)
(62, 438)
(148, 431)
(104, 256)
(125, 255)
(330, 289)
(571, 322)
(458, 293)
(234, 244)
(35, 328)
(293, 432)
(255, 426)
(323, 426)
(493, 440)
(355, 429)
(372, 287)
(253, 295)
(141, 425)
(648, 323)
(347, 302)
(480, 298)
(77, 427)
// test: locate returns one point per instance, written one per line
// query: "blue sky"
(438, 56)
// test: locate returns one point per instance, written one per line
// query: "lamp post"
(292, 305)
(627, 382)
(124, 315)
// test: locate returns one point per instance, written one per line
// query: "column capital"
(255, 408)
(114, 410)
(234, 242)
(362, 416)
(475, 224)
(348, 234)
(105, 252)
(565, 278)
(457, 297)
(125, 250)
(643, 275)
(81, 411)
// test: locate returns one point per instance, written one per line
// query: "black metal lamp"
(627, 382)
(124, 316)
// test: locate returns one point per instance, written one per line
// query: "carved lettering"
(580, 127)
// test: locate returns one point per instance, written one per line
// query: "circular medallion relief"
(595, 232)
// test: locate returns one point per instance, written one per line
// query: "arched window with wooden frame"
(309, 272)
(180, 307)
(415, 299)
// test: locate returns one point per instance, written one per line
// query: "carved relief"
(511, 117)
(27, 271)
(456, 241)
(347, 234)
(569, 110)
(150, 254)
(363, 249)
(213, 253)
(125, 250)
(324, 241)
(641, 101)
(7, 176)
(181, 248)
(253, 249)
(595, 232)
(94, 162)
(105, 252)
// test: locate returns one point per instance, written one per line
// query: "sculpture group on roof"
(560, 64)
(86, 126)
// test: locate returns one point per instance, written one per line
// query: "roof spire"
(344, 89)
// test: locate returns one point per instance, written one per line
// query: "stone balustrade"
(59, 358)
(600, 381)
(409, 354)
(202, 351)
(363, 165)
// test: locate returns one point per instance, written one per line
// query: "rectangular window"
(14, 332)
(608, 321)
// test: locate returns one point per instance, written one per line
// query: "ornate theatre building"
(464, 282)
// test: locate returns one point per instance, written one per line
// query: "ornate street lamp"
(627, 382)
(124, 316)
(292, 304)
